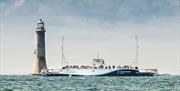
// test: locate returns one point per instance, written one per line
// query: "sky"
(107, 27)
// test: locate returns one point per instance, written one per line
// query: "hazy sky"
(91, 26)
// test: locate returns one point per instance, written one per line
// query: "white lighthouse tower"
(40, 53)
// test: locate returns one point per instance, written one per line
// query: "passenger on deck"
(136, 67)
(109, 67)
(113, 66)
(119, 67)
(101, 67)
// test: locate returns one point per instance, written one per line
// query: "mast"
(62, 51)
(98, 55)
(1, 45)
(137, 51)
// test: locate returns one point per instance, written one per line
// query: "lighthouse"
(40, 51)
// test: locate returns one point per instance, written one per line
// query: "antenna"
(98, 55)
(137, 51)
(1, 45)
(62, 51)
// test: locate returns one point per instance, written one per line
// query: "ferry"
(99, 68)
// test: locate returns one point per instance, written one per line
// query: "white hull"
(95, 72)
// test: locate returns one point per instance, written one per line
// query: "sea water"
(89, 83)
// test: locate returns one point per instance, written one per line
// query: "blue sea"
(89, 83)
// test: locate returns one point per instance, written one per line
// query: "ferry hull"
(110, 73)
(143, 74)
